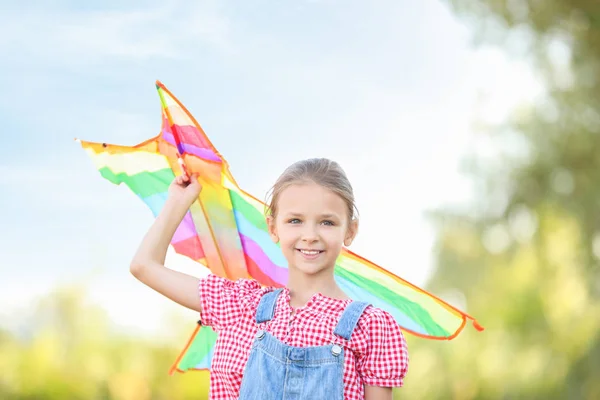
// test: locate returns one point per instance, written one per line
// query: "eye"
(293, 221)
(328, 223)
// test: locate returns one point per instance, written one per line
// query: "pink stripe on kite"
(203, 153)
(186, 229)
(191, 135)
(252, 250)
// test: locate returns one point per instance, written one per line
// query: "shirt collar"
(318, 302)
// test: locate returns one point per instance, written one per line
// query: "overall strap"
(349, 319)
(266, 306)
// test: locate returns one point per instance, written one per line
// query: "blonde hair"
(321, 171)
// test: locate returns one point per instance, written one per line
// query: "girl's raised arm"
(148, 263)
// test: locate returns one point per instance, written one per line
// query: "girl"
(308, 340)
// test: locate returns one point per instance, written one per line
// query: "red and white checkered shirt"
(376, 354)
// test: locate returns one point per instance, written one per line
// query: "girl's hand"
(185, 189)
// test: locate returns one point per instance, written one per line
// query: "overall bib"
(276, 371)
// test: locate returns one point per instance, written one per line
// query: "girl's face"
(311, 226)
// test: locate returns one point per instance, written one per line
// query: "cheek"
(334, 238)
(285, 234)
(288, 246)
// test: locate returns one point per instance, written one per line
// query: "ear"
(272, 229)
(351, 232)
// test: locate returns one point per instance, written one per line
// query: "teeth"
(310, 252)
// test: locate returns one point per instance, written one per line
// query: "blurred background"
(469, 128)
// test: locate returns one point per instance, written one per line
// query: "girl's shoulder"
(241, 284)
(223, 300)
(376, 322)
(241, 288)
(373, 314)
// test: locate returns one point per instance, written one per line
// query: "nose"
(310, 234)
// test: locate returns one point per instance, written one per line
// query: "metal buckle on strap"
(336, 350)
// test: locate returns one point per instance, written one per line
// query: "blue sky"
(388, 89)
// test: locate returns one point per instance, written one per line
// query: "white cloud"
(56, 188)
(75, 37)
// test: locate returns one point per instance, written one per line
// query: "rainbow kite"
(225, 230)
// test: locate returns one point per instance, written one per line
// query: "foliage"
(70, 352)
(525, 256)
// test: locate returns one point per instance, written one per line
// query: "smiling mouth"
(310, 252)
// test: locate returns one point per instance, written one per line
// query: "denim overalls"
(276, 371)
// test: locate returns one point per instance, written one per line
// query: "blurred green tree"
(525, 255)
(69, 351)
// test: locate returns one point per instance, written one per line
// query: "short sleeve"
(224, 302)
(384, 361)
